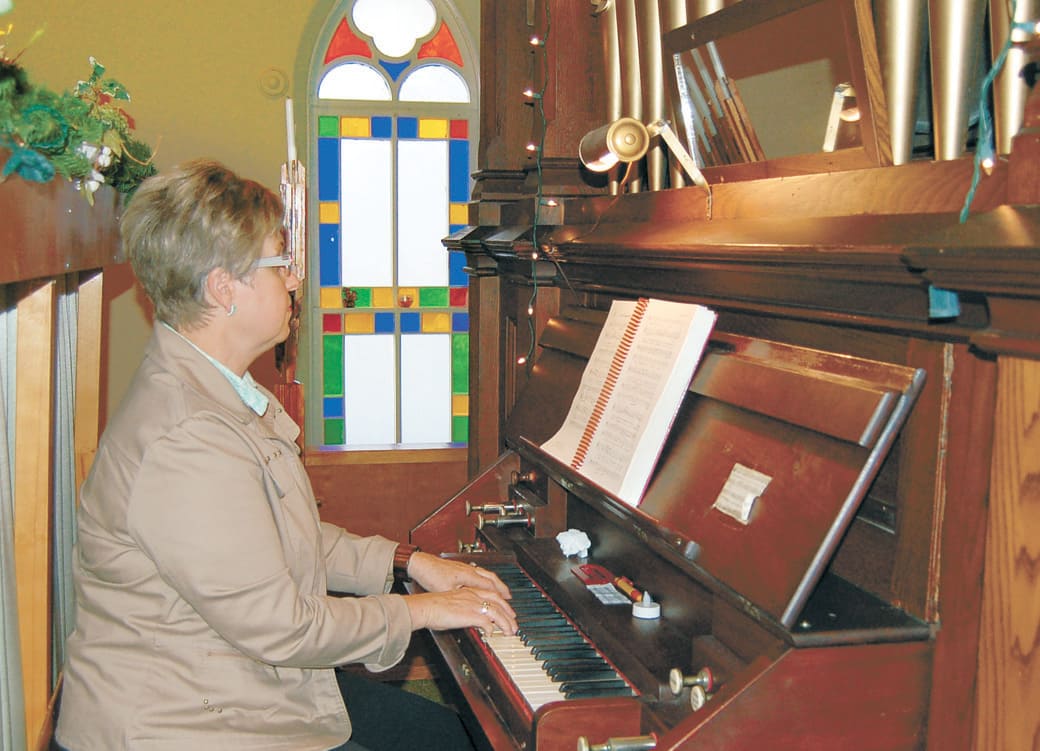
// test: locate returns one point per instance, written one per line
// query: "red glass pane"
(459, 129)
(346, 43)
(332, 323)
(457, 296)
(443, 46)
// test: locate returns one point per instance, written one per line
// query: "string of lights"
(985, 152)
(537, 148)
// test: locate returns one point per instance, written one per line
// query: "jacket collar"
(175, 354)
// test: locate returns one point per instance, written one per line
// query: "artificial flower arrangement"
(83, 135)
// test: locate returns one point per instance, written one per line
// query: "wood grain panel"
(1009, 645)
(88, 374)
(33, 481)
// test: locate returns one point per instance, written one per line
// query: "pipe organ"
(885, 606)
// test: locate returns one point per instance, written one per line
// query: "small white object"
(574, 542)
(646, 608)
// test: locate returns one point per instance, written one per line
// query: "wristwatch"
(402, 556)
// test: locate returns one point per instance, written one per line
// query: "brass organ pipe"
(631, 88)
(700, 8)
(1009, 89)
(956, 46)
(901, 38)
(673, 15)
(651, 78)
(606, 12)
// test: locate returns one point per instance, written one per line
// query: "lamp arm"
(664, 130)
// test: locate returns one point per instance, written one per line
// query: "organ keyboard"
(757, 639)
(548, 658)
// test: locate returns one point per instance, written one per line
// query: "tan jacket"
(201, 574)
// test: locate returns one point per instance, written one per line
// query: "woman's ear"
(220, 290)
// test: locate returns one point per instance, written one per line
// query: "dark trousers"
(386, 718)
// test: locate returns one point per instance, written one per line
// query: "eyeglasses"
(277, 262)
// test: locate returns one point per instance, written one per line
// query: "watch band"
(402, 556)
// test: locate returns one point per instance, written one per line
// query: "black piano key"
(559, 646)
(572, 654)
(564, 675)
(571, 687)
(592, 691)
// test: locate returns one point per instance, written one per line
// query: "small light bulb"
(549, 202)
(530, 310)
(532, 147)
(521, 360)
(536, 41)
(534, 256)
(988, 163)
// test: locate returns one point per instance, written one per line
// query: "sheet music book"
(630, 392)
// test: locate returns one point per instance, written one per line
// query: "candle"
(290, 130)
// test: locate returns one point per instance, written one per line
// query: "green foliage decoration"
(83, 135)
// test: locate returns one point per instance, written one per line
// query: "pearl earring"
(231, 310)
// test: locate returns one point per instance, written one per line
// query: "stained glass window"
(389, 302)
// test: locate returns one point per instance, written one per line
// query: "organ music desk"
(760, 644)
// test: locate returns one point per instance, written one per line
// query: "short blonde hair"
(182, 224)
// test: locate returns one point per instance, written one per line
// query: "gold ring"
(484, 607)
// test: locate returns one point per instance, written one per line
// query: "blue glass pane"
(384, 323)
(328, 255)
(394, 69)
(382, 127)
(456, 265)
(411, 323)
(333, 406)
(328, 169)
(458, 159)
(407, 127)
(459, 323)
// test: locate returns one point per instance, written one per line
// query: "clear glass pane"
(422, 195)
(367, 212)
(354, 81)
(434, 83)
(370, 384)
(395, 25)
(426, 388)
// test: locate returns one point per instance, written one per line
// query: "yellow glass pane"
(383, 297)
(328, 212)
(355, 127)
(460, 404)
(436, 323)
(359, 323)
(331, 297)
(458, 213)
(433, 128)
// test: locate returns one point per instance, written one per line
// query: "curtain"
(12, 706)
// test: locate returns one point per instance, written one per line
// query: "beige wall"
(207, 78)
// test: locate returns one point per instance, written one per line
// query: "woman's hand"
(460, 608)
(435, 574)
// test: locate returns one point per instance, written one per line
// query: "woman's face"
(263, 304)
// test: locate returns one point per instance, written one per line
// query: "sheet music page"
(564, 444)
(649, 390)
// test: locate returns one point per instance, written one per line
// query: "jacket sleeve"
(359, 565)
(203, 510)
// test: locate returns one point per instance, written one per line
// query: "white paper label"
(743, 487)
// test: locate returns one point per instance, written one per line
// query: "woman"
(202, 570)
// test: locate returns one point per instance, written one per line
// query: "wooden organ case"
(878, 598)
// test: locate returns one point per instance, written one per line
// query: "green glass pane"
(460, 429)
(328, 126)
(335, 434)
(364, 297)
(433, 297)
(460, 364)
(332, 365)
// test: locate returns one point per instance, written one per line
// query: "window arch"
(394, 106)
